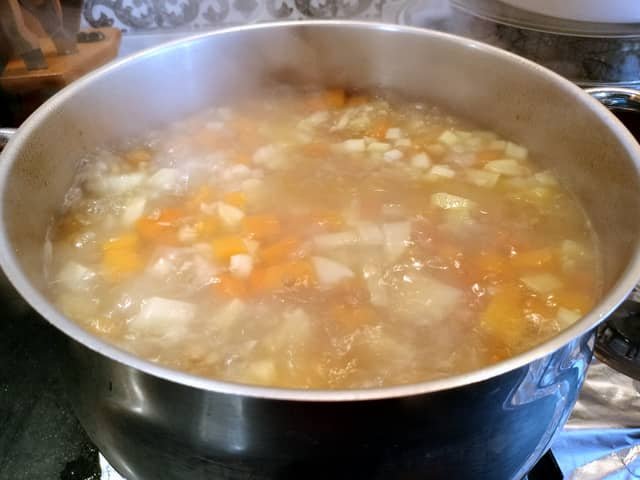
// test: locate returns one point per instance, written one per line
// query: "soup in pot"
(321, 240)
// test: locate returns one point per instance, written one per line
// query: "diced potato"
(423, 299)
(369, 233)
(393, 134)
(231, 216)
(507, 166)
(421, 160)
(543, 283)
(397, 236)
(354, 145)
(76, 277)
(440, 171)
(241, 265)
(392, 155)
(513, 150)
(165, 179)
(482, 178)
(448, 201)
(546, 178)
(378, 147)
(133, 211)
(227, 316)
(566, 317)
(449, 138)
(163, 316)
(573, 254)
(372, 275)
(116, 184)
(335, 240)
(330, 272)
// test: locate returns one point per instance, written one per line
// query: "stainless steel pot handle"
(617, 98)
(5, 135)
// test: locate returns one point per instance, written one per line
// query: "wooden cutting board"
(62, 69)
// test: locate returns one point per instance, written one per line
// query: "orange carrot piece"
(229, 286)
(504, 316)
(237, 199)
(164, 229)
(261, 226)
(533, 258)
(120, 256)
(279, 251)
(224, 247)
(335, 97)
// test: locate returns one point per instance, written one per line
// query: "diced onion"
(329, 271)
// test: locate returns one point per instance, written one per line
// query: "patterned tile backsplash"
(145, 16)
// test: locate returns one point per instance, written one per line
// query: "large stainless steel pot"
(155, 423)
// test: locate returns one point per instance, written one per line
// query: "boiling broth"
(321, 240)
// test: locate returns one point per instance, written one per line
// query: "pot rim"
(11, 266)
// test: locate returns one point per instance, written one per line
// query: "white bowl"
(603, 11)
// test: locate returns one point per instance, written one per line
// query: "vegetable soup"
(321, 239)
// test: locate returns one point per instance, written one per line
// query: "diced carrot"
(533, 258)
(230, 287)
(137, 156)
(335, 97)
(120, 256)
(298, 273)
(379, 128)
(574, 300)
(357, 100)
(261, 226)
(279, 251)
(504, 317)
(485, 156)
(237, 199)
(353, 316)
(164, 229)
(265, 279)
(224, 247)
